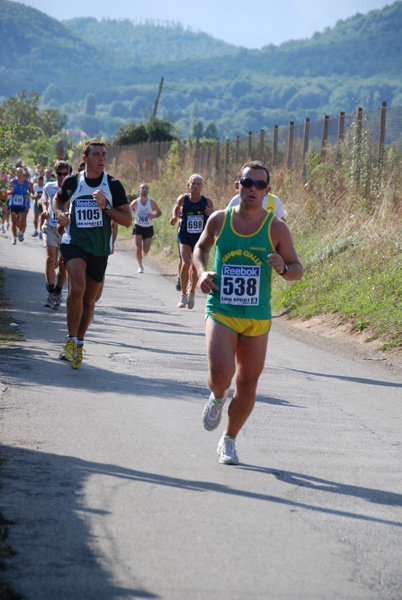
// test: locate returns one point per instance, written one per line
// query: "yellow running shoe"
(68, 351)
(77, 358)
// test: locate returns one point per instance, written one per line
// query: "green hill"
(357, 62)
(137, 41)
(364, 45)
(36, 49)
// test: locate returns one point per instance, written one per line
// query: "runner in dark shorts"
(193, 210)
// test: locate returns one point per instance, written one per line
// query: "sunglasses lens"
(246, 182)
(260, 184)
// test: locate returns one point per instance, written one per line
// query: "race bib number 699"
(240, 285)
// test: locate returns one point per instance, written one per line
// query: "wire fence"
(287, 146)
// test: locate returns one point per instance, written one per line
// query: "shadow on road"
(49, 516)
(350, 379)
(49, 524)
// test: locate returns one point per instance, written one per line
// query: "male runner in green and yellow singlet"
(250, 244)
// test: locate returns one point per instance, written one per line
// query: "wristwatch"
(285, 270)
(108, 206)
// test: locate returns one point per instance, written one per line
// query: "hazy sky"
(251, 25)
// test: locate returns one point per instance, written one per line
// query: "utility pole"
(158, 96)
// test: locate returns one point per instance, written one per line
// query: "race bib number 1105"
(88, 214)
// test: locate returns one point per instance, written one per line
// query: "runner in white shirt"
(36, 197)
(146, 210)
(52, 238)
(279, 209)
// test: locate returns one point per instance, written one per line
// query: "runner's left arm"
(156, 211)
(210, 208)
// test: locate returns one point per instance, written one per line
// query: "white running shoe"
(190, 300)
(56, 301)
(49, 301)
(14, 241)
(212, 414)
(140, 269)
(2, 229)
(227, 451)
(183, 300)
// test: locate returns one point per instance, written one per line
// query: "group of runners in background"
(77, 215)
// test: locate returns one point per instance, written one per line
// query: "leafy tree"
(194, 108)
(8, 144)
(53, 92)
(130, 134)
(23, 111)
(153, 130)
(196, 130)
(110, 125)
(211, 131)
(118, 109)
(41, 151)
(90, 104)
(91, 125)
(160, 130)
(139, 107)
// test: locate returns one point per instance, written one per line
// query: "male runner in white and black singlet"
(94, 200)
(146, 210)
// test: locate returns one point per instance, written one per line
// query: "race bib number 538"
(240, 285)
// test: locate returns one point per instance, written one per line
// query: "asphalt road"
(114, 487)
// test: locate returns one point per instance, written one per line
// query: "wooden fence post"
(217, 159)
(358, 144)
(226, 161)
(152, 153)
(291, 134)
(262, 142)
(249, 145)
(202, 156)
(306, 132)
(341, 135)
(324, 141)
(237, 150)
(381, 135)
(275, 147)
(197, 156)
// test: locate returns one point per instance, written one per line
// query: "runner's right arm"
(177, 209)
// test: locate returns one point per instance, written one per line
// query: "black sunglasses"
(248, 183)
(62, 173)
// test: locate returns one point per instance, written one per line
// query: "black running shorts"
(96, 265)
